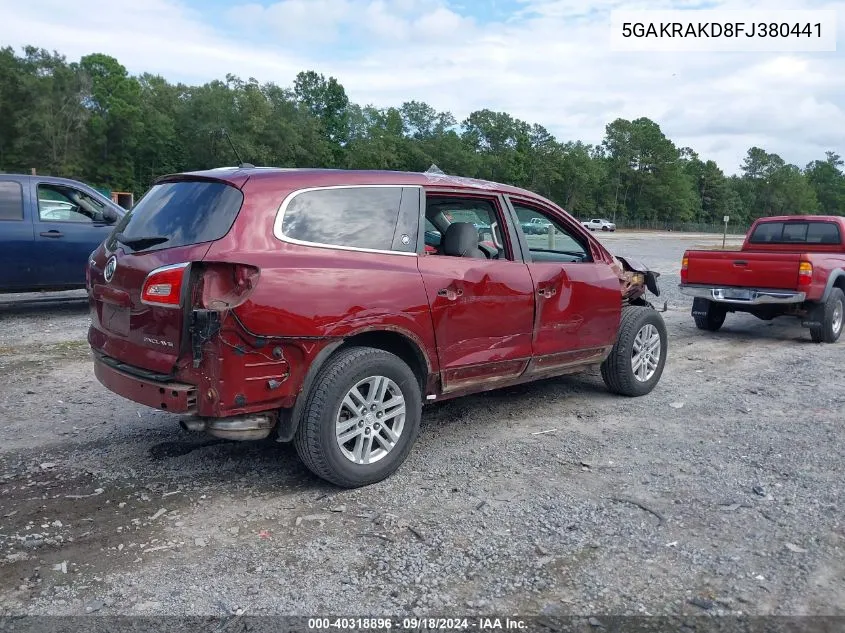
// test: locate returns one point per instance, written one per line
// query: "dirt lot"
(720, 492)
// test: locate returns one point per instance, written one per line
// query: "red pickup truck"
(788, 266)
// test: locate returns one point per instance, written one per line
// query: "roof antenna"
(434, 169)
(232, 145)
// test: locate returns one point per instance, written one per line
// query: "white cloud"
(550, 63)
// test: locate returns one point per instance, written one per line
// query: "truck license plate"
(739, 294)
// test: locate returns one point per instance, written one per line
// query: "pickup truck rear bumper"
(744, 296)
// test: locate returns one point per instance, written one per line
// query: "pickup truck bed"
(788, 266)
(745, 269)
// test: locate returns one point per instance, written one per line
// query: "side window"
(354, 217)
(548, 239)
(11, 200)
(479, 226)
(57, 203)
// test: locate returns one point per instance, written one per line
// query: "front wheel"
(361, 418)
(832, 319)
(636, 361)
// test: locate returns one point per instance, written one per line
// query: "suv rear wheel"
(636, 361)
(361, 418)
(833, 314)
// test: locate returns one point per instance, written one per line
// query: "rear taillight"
(805, 273)
(163, 286)
(684, 266)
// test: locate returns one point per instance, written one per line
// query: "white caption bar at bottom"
(723, 30)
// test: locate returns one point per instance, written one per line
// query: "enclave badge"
(111, 266)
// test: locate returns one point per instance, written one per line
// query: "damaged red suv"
(325, 307)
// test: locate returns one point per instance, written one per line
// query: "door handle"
(52, 233)
(449, 293)
(547, 293)
(740, 262)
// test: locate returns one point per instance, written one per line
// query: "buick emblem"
(111, 266)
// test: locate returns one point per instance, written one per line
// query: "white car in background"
(599, 225)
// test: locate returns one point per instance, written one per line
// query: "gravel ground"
(720, 492)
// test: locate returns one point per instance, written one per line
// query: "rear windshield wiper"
(139, 243)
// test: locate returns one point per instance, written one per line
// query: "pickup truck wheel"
(713, 319)
(636, 361)
(361, 418)
(832, 319)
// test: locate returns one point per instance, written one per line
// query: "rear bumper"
(744, 296)
(174, 397)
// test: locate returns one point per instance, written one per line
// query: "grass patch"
(62, 348)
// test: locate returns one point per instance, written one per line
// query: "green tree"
(774, 187)
(114, 124)
(45, 117)
(828, 182)
(94, 121)
(326, 99)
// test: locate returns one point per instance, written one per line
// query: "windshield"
(179, 214)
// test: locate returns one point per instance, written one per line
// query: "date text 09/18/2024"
(417, 624)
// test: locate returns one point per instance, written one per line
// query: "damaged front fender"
(650, 276)
(635, 278)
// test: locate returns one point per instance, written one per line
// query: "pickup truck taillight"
(163, 286)
(684, 266)
(805, 273)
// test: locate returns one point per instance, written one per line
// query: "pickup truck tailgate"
(743, 269)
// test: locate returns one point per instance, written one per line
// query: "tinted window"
(823, 233)
(179, 214)
(796, 232)
(363, 217)
(11, 201)
(553, 242)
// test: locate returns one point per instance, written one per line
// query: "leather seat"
(461, 240)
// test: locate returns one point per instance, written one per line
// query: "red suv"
(326, 307)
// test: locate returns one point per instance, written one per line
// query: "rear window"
(11, 200)
(796, 233)
(179, 214)
(354, 217)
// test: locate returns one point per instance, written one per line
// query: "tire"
(316, 440)
(833, 317)
(617, 370)
(604, 228)
(713, 319)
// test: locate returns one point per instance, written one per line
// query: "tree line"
(93, 121)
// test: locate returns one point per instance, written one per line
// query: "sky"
(542, 61)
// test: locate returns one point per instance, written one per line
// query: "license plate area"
(734, 294)
(115, 319)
